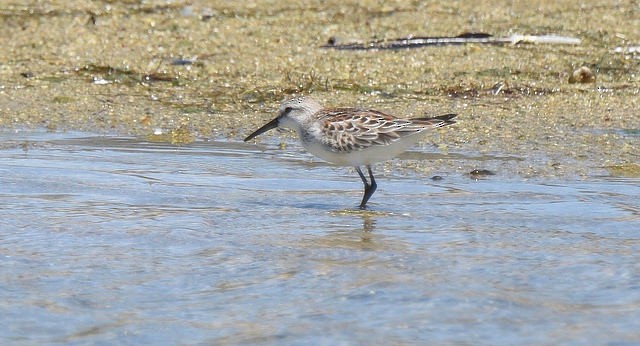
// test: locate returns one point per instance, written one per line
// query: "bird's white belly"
(366, 156)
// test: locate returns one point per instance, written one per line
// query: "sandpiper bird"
(351, 136)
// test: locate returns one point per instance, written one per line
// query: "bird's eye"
(287, 110)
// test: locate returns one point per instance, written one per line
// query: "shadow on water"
(217, 242)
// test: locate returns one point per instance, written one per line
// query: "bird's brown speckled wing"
(351, 129)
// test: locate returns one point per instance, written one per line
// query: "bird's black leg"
(369, 187)
(372, 182)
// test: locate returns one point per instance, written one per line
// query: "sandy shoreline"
(219, 70)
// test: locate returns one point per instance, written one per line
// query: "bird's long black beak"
(268, 126)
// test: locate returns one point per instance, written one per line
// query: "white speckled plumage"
(351, 136)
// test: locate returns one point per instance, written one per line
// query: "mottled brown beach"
(195, 70)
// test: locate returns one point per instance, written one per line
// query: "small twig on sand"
(466, 38)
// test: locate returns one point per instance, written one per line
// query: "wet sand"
(183, 71)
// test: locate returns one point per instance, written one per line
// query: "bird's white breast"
(370, 155)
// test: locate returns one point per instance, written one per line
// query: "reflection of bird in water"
(368, 223)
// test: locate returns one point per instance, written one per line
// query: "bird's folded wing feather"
(348, 130)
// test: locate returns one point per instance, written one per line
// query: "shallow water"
(114, 240)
